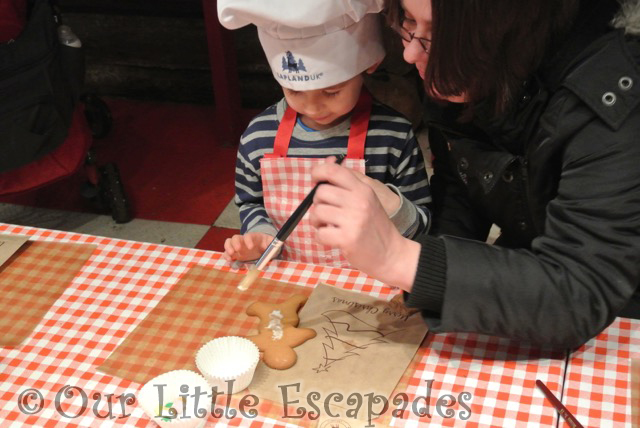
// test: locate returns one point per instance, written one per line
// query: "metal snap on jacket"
(488, 176)
(625, 83)
(507, 177)
(522, 225)
(609, 99)
(463, 164)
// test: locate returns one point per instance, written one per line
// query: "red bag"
(13, 17)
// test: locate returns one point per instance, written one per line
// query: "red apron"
(286, 181)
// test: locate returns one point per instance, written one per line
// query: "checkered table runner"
(597, 388)
(490, 379)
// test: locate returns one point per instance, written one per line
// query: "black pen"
(276, 244)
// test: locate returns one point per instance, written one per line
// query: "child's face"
(327, 107)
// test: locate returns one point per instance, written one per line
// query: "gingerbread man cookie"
(279, 332)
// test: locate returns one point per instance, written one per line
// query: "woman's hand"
(349, 216)
(249, 246)
(388, 198)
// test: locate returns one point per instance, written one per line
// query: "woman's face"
(417, 21)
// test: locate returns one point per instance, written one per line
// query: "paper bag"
(9, 244)
(31, 281)
(362, 348)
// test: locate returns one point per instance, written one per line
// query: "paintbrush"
(561, 409)
(282, 235)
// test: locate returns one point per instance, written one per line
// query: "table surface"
(480, 380)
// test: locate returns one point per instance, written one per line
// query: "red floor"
(172, 166)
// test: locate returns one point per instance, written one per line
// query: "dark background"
(157, 50)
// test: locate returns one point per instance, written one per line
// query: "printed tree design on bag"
(337, 347)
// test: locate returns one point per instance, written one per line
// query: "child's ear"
(371, 69)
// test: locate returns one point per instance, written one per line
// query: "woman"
(534, 125)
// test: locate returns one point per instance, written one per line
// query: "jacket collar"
(592, 22)
(608, 80)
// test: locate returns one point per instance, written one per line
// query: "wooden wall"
(157, 50)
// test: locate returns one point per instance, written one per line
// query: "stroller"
(47, 124)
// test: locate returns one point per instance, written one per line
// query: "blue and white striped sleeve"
(411, 181)
(249, 196)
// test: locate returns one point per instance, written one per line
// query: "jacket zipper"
(526, 195)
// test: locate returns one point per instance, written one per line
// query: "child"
(318, 51)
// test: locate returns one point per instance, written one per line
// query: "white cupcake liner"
(228, 358)
(149, 399)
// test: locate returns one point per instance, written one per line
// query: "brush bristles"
(249, 279)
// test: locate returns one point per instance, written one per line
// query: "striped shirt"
(392, 156)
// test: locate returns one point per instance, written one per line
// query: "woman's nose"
(413, 51)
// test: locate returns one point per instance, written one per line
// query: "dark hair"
(488, 48)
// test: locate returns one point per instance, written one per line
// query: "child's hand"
(249, 246)
(389, 200)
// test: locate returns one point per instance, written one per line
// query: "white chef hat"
(311, 44)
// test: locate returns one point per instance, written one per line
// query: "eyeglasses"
(408, 36)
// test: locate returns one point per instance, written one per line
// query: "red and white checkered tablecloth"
(597, 386)
(491, 380)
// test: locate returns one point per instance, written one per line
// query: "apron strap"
(357, 132)
(283, 136)
(359, 126)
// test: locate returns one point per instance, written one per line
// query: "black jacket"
(560, 176)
